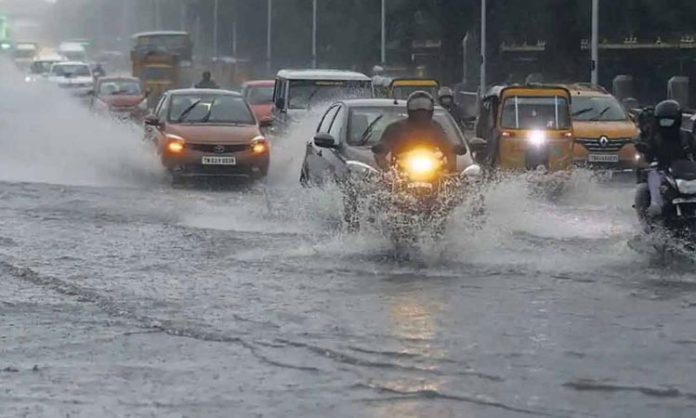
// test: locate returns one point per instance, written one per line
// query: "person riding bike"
(419, 130)
(445, 97)
(662, 142)
(207, 82)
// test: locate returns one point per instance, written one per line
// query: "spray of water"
(49, 136)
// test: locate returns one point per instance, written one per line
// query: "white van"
(298, 91)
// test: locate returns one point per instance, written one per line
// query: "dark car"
(200, 132)
(350, 128)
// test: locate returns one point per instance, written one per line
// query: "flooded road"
(122, 296)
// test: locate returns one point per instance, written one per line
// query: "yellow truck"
(162, 60)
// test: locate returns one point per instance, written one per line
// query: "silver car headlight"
(686, 186)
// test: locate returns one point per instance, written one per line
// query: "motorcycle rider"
(445, 96)
(418, 130)
(661, 142)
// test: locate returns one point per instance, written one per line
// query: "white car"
(75, 76)
(73, 51)
(40, 68)
(24, 54)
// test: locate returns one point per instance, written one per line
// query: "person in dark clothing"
(446, 99)
(207, 82)
(419, 130)
(99, 71)
(662, 142)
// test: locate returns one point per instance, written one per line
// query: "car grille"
(218, 149)
(594, 145)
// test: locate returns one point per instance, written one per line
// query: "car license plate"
(219, 161)
(603, 158)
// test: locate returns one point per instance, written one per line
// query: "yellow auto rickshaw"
(527, 128)
(401, 88)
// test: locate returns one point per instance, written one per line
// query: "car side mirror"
(151, 120)
(280, 103)
(477, 144)
(460, 149)
(266, 122)
(325, 140)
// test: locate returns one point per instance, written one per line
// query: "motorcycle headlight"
(686, 186)
(537, 138)
(421, 165)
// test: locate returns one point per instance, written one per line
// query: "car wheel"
(177, 180)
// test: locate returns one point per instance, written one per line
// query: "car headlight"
(259, 145)
(686, 186)
(537, 138)
(176, 143)
(421, 165)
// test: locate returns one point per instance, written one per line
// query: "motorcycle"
(678, 218)
(412, 199)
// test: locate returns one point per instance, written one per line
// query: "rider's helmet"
(668, 116)
(420, 106)
(445, 96)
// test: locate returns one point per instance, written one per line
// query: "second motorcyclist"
(419, 130)
(662, 142)
(445, 97)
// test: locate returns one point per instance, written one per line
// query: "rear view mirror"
(477, 144)
(324, 140)
(460, 149)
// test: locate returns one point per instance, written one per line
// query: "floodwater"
(122, 296)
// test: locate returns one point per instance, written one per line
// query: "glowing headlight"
(686, 187)
(259, 145)
(421, 165)
(537, 138)
(176, 144)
